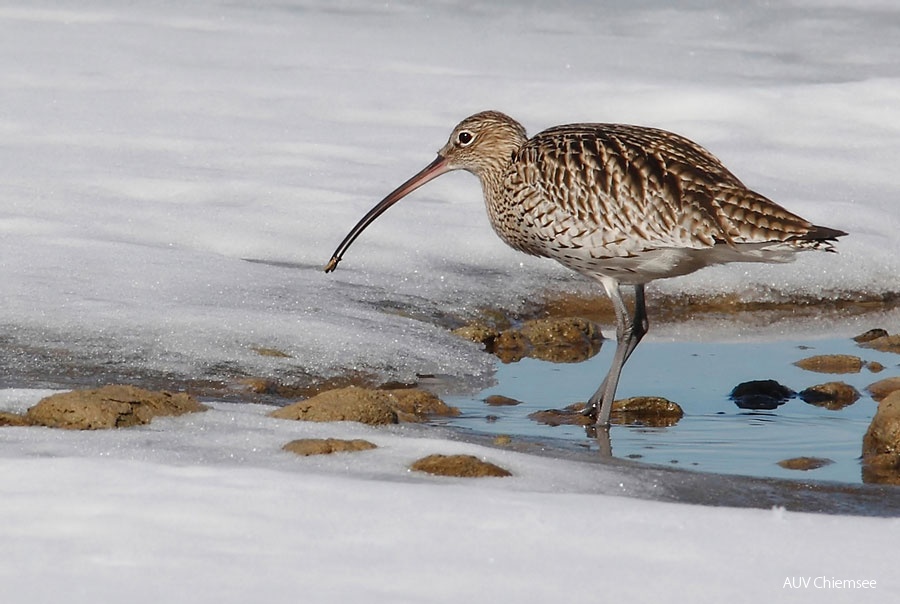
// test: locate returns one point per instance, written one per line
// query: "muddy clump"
(557, 339)
(831, 363)
(416, 405)
(882, 388)
(109, 407)
(463, 466)
(805, 463)
(760, 395)
(572, 415)
(326, 446)
(652, 411)
(368, 406)
(498, 400)
(14, 419)
(884, 343)
(351, 404)
(881, 443)
(478, 332)
(830, 395)
(271, 352)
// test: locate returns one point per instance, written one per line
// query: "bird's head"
(483, 143)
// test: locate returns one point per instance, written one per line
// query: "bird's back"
(596, 196)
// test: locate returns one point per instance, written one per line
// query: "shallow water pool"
(715, 435)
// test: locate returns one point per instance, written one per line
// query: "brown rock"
(568, 416)
(13, 419)
(498, 400)
(465, 466)
(351, 404)
(872, 334)
(805, 463)
(511, 346)
(884, 344)
(368, 405)
(109, 407)
(881, 443)
(559, 340)
(882, 388)
(831, 363)
(562, 340)
(831, 395)
(271, 352)
(874, 366)
(478, 332)
(256, 385)
(325, 446)
(415, 405)
(646, 410)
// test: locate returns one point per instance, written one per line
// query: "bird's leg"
(629, 331)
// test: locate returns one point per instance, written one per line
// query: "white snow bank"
(148, 150)
(207, 508)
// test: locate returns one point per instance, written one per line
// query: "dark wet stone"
(805, 463)
(761, 395)
(831, 395)
(881, 443)
(464, 466)
(870, 335)
(115, 406)
(882, 388)
(326, 446)
(498, 400)
(884, 344)
(831, 363)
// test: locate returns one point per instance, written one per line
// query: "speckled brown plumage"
(621, 204)
(628, 202)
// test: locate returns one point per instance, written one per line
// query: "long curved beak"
(431, 171)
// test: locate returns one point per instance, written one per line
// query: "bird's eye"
(464, 138)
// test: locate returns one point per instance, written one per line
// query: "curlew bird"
(620, 204)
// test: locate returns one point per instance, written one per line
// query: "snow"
(174, 176)
(149, 151)
(207, 508)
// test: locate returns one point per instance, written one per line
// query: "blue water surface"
(715, 435)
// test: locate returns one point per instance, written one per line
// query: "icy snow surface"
(174, 175)
(148, 151)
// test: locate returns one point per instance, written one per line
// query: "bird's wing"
(613, 190)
